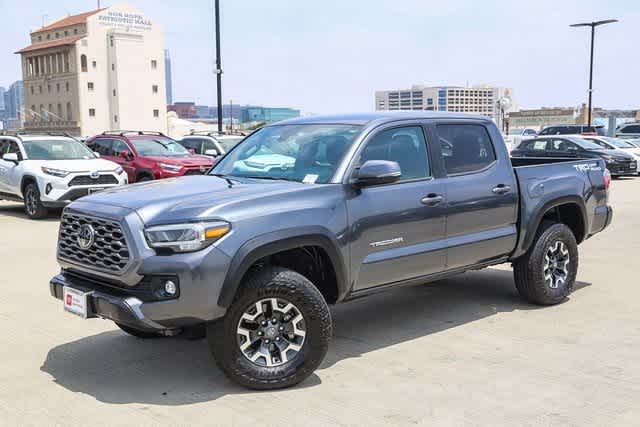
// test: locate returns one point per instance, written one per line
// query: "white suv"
(48, 171)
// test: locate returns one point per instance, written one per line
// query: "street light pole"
(593, 26)
(218, 64)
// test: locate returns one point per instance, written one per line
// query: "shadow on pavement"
(16, 210)
(116, 368)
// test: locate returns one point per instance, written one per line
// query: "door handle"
(501, 189)
(432, 199)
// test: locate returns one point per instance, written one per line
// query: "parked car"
(212, 144)
(372, 203)
(573, 130)
(146, 156)
(516, 135)
(50, 170)
(628, 130)
(618, 162)
(609, 143)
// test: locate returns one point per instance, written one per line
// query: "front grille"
(109, 251)
(87, 180)
(195, 172)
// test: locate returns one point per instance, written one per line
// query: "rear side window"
(465, 148)
(630, 129)
(102, 147)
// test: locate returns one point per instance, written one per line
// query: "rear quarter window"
(465, 148)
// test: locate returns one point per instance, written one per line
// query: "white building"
(96, 71)
(479, 100)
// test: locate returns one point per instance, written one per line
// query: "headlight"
(55, 172)
(186, 237)
(608, 159)
(170, 168)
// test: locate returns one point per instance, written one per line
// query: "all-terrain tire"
(33, 206)
(145, 335)
(265, 283)
(529, 270)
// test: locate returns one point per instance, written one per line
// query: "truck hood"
(187, 161)
(77, 165)
(197, 197)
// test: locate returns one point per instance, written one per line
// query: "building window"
(40, 89)
(58, 87)
(31, 90)
(48, 36)
(90, 86)
(57, 35)
(60, 111)
(114, 92)
(94, 64)
(66, 85)
(111, 41)
(39, 38)
(92, 112)
(154, 64)
(66, 33)
(69, 113)
(113, 67)
(75, 31)
(83, 63)
(154, 88)
(156, 113)
(48, 88)
(115, 119)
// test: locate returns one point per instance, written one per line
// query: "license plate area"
(76, 301)
(94, 190)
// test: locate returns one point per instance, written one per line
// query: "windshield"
(229, 142)
(159, 147)
(516, 131)
(586, 144)
(57, 149)
(619, 143)
(304, 153)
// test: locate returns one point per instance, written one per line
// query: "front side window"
(102, 147)
(59, 149)
(630, 129)
(465, 148)
(159, 147)
(308, 153)
(406, 146)
(563, 145)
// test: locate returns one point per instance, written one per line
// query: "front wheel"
(32, 204)
(545, 275)
(275, 333)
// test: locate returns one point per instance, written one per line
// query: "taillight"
(607, 179)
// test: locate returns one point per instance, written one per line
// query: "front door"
(482, 195)
(398, 230)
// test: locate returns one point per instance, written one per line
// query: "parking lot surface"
(463, 351)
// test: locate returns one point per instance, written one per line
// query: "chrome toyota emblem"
(86, 236)
(94, 174)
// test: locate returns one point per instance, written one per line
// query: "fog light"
(48, 189)
(170, 287)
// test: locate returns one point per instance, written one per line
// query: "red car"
(148, 155)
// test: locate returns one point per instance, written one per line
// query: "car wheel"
(144, 178)
(32, 204)
(545, 275)
(138, 333)
(275, 333)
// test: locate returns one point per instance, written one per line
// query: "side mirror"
(96, 154)
(10, 157)
(377, 172)
(212, 153)
(125, 155)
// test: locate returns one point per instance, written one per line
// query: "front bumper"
(56, 192)
(623, 168)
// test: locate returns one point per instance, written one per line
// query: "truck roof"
(378, 116)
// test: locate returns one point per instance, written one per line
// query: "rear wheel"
(546, 274)
(275, 333)
(144, 178)
(32, 204)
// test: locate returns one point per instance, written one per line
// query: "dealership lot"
(461, 351)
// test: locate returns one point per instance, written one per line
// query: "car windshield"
(228, 142)
(619, 143)
(306, 153)
(516, 131)
(159, 147)
(57, 149)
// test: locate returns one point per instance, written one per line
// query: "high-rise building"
(167, 77)
(480, 100)
(2, 103)
(13, 105)
(95, 71)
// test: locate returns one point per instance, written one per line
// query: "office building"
(95, 71)
(480, 100)
(2, 106)
(167, 77)
(267, 114)
(13, 106)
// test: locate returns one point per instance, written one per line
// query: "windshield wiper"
(223, 176)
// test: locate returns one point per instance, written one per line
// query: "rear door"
(481, 193)
(398, 229)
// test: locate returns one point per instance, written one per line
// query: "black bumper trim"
(119, 308)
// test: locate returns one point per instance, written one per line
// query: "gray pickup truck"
(312, 212)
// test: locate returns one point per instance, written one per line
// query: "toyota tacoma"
(357, 204)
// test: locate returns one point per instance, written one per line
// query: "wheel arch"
(26, 179)
(280, 242)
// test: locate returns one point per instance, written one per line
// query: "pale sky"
(325, 56)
